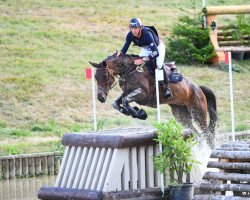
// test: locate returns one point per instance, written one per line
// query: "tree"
(189, 43)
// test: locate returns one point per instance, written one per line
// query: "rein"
(140, 66)
(130, 71)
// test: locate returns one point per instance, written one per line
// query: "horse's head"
(106, 71)
(105, 78)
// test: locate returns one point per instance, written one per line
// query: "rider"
(152, 48)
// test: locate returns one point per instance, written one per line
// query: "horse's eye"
(105, 76)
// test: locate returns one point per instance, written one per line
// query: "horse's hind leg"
(200, 116)
(183, 116)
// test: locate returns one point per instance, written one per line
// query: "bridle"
(130, 71)
(107, 82)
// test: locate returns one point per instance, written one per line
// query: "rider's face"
(135, 31)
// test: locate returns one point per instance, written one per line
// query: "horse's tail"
(212, 108)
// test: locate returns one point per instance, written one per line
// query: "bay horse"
(189, 101)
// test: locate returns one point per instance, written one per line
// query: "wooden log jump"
(28, 165)
(217, 33)
(233, 175)
(223, 10)
(113, 164)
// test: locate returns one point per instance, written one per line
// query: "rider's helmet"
(135, 22)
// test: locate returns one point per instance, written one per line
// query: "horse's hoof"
(142, 114)
(136, 108)
(134, 115)
(124, 111)
(115, 106)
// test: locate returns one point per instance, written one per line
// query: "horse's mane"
(124, 61)
(124, 55)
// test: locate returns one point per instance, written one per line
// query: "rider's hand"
(138, 61)
(118, 53)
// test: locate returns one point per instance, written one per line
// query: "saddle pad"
(175, 77)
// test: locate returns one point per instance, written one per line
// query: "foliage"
(59, 147)
(176, 156)
(13, 150)
(13, 132)
(242, 24)
(189, 43)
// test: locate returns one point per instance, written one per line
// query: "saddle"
(170, 71)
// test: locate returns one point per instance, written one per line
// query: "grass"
(44, 48)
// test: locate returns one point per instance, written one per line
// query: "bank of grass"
(44, 48)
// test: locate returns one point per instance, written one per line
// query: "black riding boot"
(150, 67)
(167, 91)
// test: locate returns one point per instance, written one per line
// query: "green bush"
(242, 24)
(13, 150)
(176, 157)
(189, 43)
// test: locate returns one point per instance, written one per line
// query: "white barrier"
(108, 165)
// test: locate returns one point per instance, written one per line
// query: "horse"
(190, 102)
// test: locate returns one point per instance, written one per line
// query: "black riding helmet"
(135, 22)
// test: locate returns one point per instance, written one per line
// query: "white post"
(93, 96)
(203, 3)
(157, 99)
(159, 76)
(204, 17)
(231, 94)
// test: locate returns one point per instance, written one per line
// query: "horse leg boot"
(128, 108)
(121, 109)
(166, 89)
(134, 111)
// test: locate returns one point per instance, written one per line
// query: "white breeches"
(145, 51)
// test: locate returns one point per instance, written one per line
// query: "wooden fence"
(110, 164)
(28, 165)
(221, 36)
(232, 173)
(107, 165)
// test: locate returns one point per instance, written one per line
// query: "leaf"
(176, 156)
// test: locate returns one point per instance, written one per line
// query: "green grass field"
(45, 47)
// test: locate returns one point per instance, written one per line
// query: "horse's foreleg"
(117, 106)
(133, 96)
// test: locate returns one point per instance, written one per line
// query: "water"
(201, 153)
(24, 188)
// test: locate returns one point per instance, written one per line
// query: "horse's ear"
(94, 64)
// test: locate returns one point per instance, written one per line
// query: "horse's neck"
(125, 70)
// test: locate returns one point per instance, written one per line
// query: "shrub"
(176, 157)
(242, 24)
(189, 43)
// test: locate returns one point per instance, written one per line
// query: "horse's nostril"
(101, 98)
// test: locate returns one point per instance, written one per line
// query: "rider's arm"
(152, 46)
(127, 43)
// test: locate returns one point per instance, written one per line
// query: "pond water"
(24, 188)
